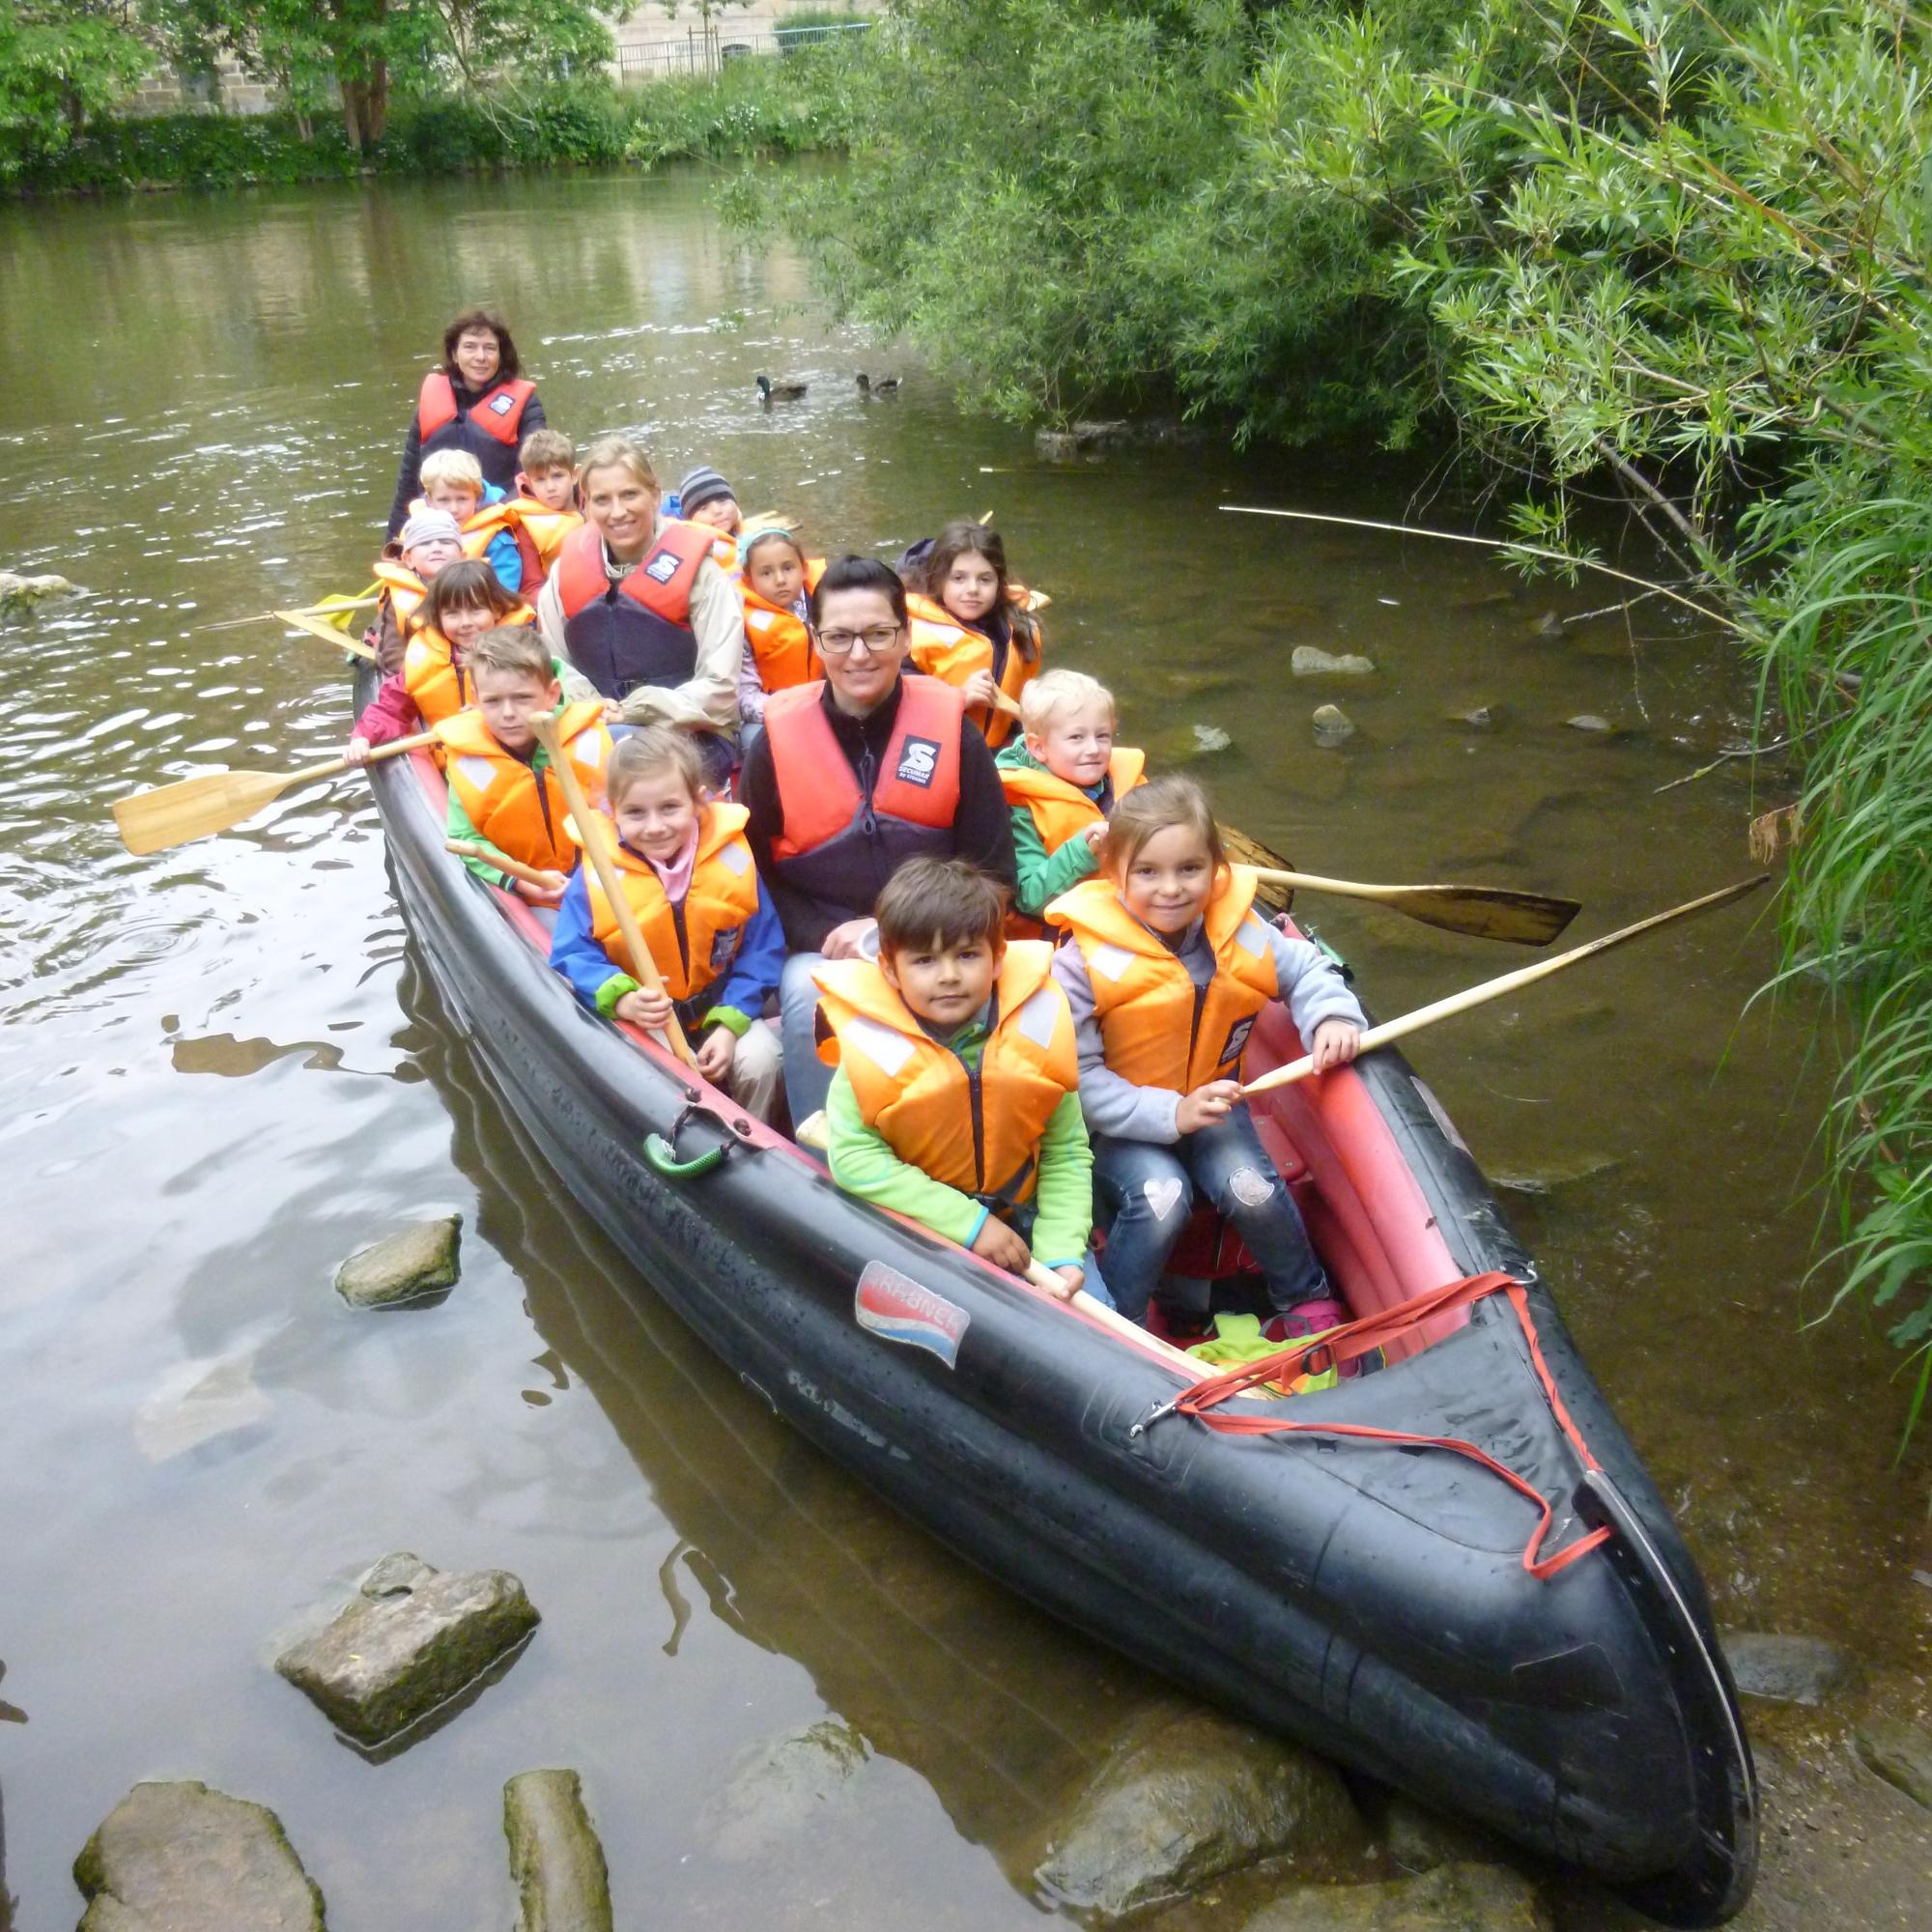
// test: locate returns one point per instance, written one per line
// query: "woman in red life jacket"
(639, 605)
(852, 777)
(477, 399)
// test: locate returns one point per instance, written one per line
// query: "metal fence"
(700, 51)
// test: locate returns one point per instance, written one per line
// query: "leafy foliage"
(61, 63)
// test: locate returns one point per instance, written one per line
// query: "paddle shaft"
(1043, 1277)
(1488, 912)
(590, 829)
(394, 749)
(303, 611)
(503, 861)
(1507, 982)
(312, 626)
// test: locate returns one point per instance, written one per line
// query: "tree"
(61, 61)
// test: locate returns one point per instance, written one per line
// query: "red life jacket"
(637, 631)
(840, 844)
(498, 412)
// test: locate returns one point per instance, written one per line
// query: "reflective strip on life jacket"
(781, 643)
(976, 1131)
(694, 943)
(1157, 1028)
(499, 790)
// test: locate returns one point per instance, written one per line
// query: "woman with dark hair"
(476, 398)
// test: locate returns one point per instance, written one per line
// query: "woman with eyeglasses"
(639, 605)
(854, 776)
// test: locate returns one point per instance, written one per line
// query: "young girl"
(973, 626)
(1167, 968)
(775, 585)
(462, 601)
(713, 935)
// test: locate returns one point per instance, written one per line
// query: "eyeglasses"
(879, 640)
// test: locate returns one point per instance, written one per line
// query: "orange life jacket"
(1156, 1027)
(540, 532)
(694, 942)
(500, 792)
(498, 412)
(1060, 809)
(402, 588)
(637, 631)
(432, 676)
(978, 1133)
(781, 645)
(724, 551)
(943, 647)
(478, 530)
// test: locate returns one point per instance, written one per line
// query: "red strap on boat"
(1360, 1338)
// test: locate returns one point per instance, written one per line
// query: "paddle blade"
(1272, 898)
(325, 629)
(152, 821)
(1487, 911)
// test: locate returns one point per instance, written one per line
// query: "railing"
(702, 53)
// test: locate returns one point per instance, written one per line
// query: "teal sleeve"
(458, 829)
(1030, 862)
(1064, 1198)
(1077, 860)
(863, 1164)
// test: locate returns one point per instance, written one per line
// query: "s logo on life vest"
(919, 760)
(663, 567)
(1236, 1040)
(501, 406)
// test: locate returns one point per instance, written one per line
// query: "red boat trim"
(1360, 1338)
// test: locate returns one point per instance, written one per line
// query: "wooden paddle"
(1043, 1277)
(364, 601)
(591, 830)
(503, 861)
(1508, 982)
(1488, 912)
(307, 622)
(152, 821)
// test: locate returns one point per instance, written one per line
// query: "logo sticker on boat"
(897, 1308)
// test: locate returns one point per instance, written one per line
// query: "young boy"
(1062, 780)
(956, 1099)
(704, 498)
(544, 511)
(405, 569)
(502, 794)
(452, 481)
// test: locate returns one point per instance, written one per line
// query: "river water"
(223, 1069)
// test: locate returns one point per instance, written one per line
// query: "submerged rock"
(1551, 1176)
(196, 1404)
(1478, 717)
(1419, 1839)
(177, 1854)
(1588, 720)
(1451, 1898)
(1311, 661)
(421, 1261)
(1790, 1669)
(412, 1637)
(22, 593)
(1900, 1754)
(781, 1787)
(1332, 725)
(1081, 439)
(1187, 1798)
(556, 1861)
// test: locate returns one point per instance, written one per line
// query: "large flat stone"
(1900, 1754)
(22, 593)
(556, 1861)
(1451, 1898)
(1187, 1797)
(177, 1856)
(1312, 661)
(412, 1637)
(1790, 1669)
(420, 1262)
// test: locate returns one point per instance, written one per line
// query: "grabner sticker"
(897, 1308)
(919, 759)
(503, 404)
(663, 567)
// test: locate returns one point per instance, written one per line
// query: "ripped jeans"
(1145, 1191)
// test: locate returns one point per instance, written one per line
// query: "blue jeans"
(808, 1079)
(1146, 1191)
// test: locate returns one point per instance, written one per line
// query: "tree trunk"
(365, 106)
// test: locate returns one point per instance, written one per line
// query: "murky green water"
(222, 1070)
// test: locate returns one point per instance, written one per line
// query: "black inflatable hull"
(1368, 1602)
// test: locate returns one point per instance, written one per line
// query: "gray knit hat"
(425, 526)
(702, 486)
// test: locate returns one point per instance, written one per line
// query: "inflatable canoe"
(1452, 1574)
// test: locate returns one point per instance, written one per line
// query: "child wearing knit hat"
(704, 497)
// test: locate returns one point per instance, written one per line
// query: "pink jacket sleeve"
(389, 715)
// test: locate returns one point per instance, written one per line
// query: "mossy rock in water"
(556, 1861)
(178, 1853)
(420, 1262)
(1311, 661)
(1187, 1798)
(784, 1787)
(22, 593)
(410, 1640)
(1451, 1898)
(1900, 1754)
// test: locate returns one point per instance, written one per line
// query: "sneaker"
(1306, 1317)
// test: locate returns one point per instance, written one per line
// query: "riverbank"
(767, 107)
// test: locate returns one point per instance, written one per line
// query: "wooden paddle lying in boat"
(590, 830)
(152, 821)
(504, 863)
(1507, 982)
(1043, 1277)
(1488, 912)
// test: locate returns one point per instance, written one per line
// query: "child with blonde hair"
(713, 936)
(1168, 967)
(452, 481)
(1062, 778)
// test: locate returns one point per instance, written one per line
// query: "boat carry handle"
(660, 1154)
